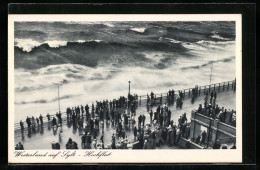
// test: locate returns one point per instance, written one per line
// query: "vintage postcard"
(125, 88)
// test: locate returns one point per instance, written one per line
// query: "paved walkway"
(43, 137)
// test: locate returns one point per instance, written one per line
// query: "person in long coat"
(203, 137)
(174, 135)
(159, 137)
(83, 140)
(135, 132)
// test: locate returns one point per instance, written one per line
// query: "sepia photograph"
(120, 84)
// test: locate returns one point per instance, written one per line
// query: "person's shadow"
(22, 136)
(42, 130)
(29, 132)
(54, 131)
(49, 126)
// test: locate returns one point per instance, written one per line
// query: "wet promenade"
(44, 136)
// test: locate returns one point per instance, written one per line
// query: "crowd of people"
(211, 109)
(148, 134)
(151, 130)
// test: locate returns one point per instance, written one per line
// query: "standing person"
(28, 121)
(41, 119)
(113, 146)
(33, 122)
(158, 110)
(211, 95)
(21, 125)
(215, 95)
(48, 117)
(74, 119)
(37, 120)
(184, 118)
(197, 141)
(174, 135)
(139, 120)
(143, 119)
(92, 110)
(112, 115)
(68, 112)
(54, 122)
(135, 133)
(87, 112)
(180, 122)
(82, 110)
(203, 137)
(88, 139)
(83, 140)
(224, 115)
(91, 125)
(59, 117)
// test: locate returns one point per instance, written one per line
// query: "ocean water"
(92, 61)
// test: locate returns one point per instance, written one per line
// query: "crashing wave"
(56, 44)
(173, 40)
(28, 44)
(109, 24)
(216, 36)
(214, 44)
(140, 30)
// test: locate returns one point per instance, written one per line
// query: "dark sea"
(92, 61)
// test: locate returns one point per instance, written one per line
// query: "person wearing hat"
(135, 132)
(83, 140)
(69, 144)
(48, 117)
(28, 121)
(17, 147)
(203, 134)
(41, 119)
(113, 146)
(21, 125)
(200, 108)
(224, 146)
(94, 144)
(234, 146)
(216, 145)
(20, 146)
